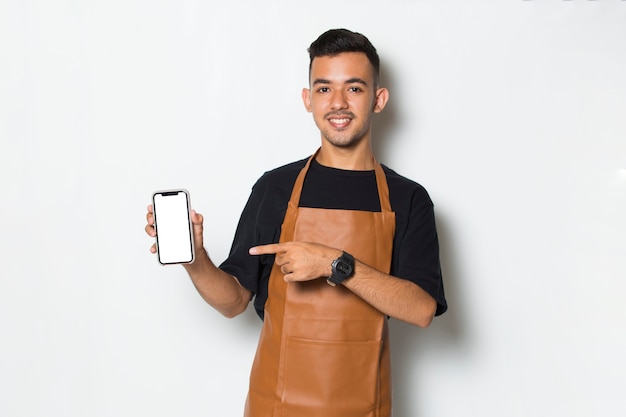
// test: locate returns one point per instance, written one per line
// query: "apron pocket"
(331, 378)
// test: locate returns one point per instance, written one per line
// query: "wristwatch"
(343, 268)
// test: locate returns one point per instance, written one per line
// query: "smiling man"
(328, 247)
(343, 94)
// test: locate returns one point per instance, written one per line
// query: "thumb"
(196, 218)
(197, 221)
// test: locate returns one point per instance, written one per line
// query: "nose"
(338, 100)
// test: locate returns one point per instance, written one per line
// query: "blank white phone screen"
(174, 237)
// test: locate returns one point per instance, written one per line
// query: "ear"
(382, 96)
(306, 99)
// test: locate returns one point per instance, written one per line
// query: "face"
(343, 97)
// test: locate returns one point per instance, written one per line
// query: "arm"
(218, 288)
(393, 296)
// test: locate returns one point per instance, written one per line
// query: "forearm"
(218, 288)
(395, 297)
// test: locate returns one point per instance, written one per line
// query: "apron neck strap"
(381, 183)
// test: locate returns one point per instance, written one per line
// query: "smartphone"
(172, 222)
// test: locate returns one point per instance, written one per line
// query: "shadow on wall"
(443, 341)
(384, 124)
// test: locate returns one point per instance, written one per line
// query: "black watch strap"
(343, 268)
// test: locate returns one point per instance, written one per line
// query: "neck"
(358, 158)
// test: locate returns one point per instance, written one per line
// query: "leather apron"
(323, 351)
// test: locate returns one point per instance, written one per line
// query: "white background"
(511, 113)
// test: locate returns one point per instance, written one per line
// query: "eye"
(355, 89)
(323, 90)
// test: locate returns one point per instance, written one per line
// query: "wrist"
(342, 268)
(200, 260)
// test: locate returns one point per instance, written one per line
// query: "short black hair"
(336, 41)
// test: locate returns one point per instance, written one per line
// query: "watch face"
(343, 268)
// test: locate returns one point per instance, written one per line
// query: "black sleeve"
(260, 224)
(239, 263)
(416, 257)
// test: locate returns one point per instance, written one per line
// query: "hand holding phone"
(172, 223)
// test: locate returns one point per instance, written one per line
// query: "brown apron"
(323, 351)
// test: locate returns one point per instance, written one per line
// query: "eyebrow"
(349, 81)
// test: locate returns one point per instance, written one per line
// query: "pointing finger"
(266, 249)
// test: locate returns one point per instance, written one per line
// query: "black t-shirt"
(415, 247)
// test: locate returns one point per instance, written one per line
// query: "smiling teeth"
(340, 121)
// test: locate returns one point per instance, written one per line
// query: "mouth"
(339, 121)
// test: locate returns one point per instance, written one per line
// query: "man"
(329, 247)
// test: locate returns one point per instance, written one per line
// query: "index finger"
(272, 248)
